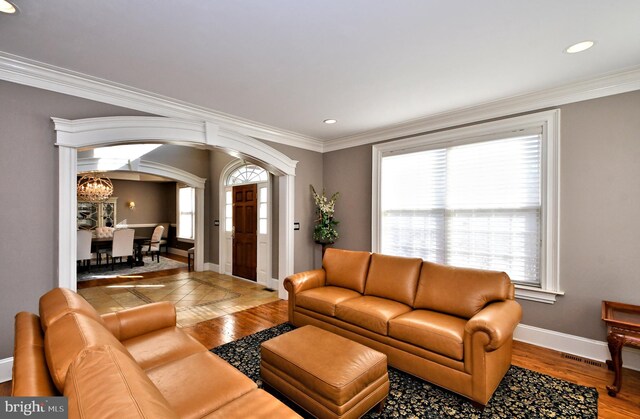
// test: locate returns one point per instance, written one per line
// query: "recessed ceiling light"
(330, 121)
(579, 47)
(6, 7)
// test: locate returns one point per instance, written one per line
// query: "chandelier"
(94, 188)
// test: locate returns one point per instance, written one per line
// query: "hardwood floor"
(626, 405)
(5, 389)
(224, 329)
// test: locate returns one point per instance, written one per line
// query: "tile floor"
(198, 296)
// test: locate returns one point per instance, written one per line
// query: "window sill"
(180, 239)
(537, 294)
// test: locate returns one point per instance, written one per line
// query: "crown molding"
(90, 132)
(32, 73)
(606, 85)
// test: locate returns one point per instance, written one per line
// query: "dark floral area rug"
(521, 394)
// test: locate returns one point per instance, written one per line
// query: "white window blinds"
(186, 219)
(475, 205)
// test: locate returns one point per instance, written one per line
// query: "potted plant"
(324, 232)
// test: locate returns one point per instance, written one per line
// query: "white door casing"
(263, 242)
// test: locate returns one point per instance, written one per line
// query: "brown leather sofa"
(131, 364)
(450, 326)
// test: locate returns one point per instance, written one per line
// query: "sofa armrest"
(299, 282)
(497, 320)
(137, 321)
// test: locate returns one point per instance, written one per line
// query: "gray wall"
(600, 215)
(154, 201)
(29, 195)
(194, 161)
(599, 207)
(29, 192)
(308, 171)
(349, 172)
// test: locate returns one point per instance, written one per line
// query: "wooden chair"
(153, 245)
(102, 232)
(164, 241)
(122, 246)
(83, 246)
(190, 258)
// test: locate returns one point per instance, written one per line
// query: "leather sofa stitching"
(126, 383)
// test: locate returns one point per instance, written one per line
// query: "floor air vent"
(583, 360)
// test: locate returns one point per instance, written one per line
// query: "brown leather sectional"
(131, 364)
(450, 326)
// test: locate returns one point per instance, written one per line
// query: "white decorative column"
(199, 251)
(286, 218)
(67, 213)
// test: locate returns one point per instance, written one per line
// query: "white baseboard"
(212, 267)
(6, 368)
(574, 345)
(273, 283)
(178, 252)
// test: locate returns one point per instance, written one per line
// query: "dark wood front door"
(245, 231)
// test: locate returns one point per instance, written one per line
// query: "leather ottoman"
(327, 375)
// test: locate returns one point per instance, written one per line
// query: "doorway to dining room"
(74, 135)
(146, 199)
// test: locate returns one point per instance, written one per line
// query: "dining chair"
(102, 233)
(83, 246)
(122, 246)
(153, 245)
(191, 259)
(164, 241)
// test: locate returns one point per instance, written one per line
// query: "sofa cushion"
(60, 301)
(371, 313)
(67, 337)
(462, 292)
(346, 268)
(103, 382)
(437, 332)
(162, 346)
(256, 404)
(197, 385)
(323, 300)
(393, 277)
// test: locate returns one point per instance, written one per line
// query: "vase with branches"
(324, 232)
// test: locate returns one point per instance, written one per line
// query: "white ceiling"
(291, 63)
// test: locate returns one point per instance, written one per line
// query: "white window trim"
(184, 239)
(549, 121)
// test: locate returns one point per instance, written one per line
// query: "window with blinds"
(186, 210)
(476, 205)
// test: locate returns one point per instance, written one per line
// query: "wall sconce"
(131, 205)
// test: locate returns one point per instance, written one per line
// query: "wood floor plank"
(5, 389)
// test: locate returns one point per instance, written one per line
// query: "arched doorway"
(238, 175)
(72, 135)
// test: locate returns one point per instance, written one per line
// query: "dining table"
(98, 243)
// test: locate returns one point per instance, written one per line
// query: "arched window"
(249, 173)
